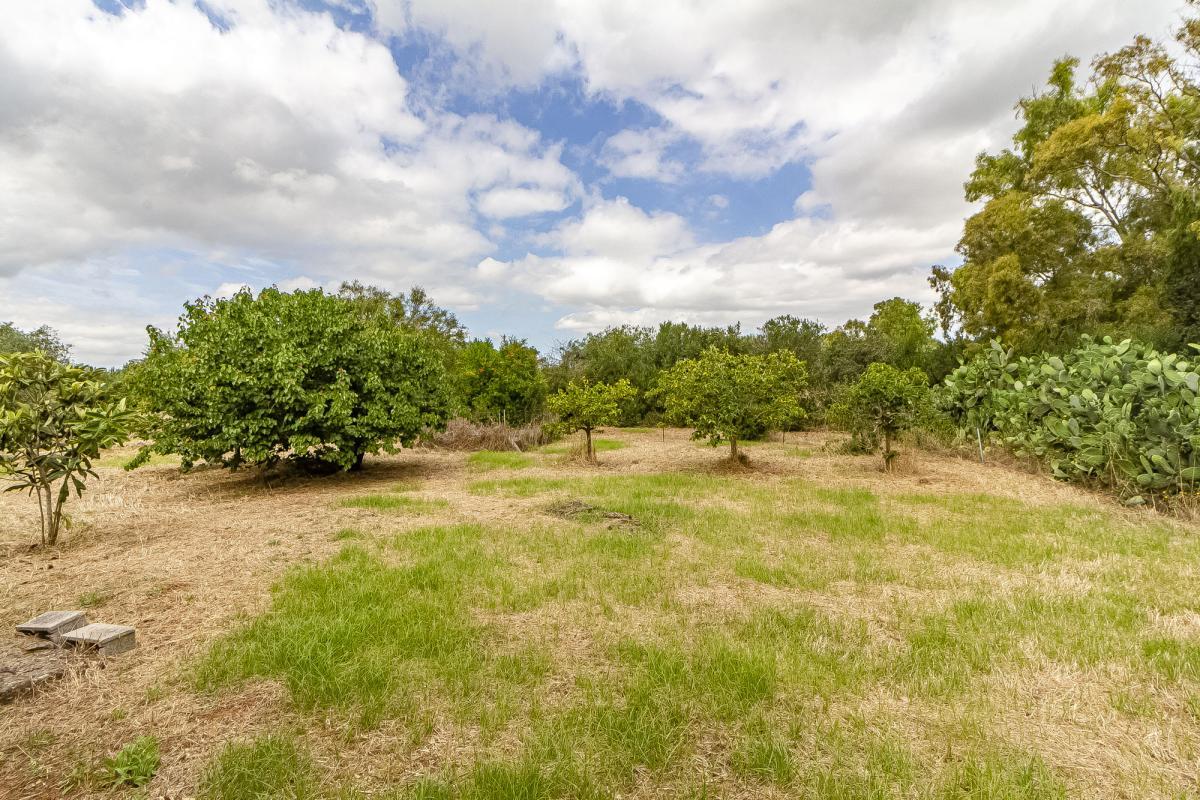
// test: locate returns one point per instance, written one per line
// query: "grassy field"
(507, 625)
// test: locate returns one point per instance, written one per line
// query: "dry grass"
(188, 558)
(462, 434)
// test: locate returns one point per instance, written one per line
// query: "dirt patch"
(579, 510)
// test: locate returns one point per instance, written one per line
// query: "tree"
(884, 403)
(802, 337)
(585, 406)
(728, 397)
(54, 420)
(1084, 228)
(305, 376)
(45, 338)
(500, 383)
(904, 333)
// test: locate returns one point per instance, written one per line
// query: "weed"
(92, 599)
(133, 765)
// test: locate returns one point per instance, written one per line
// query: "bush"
(728, 397)
(1118, 414)
(304, 376)
(884, 403)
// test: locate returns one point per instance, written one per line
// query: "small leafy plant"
(54, 421)
(134, 764)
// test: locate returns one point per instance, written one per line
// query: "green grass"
(826, 641)
(114, 461)
(496, 459)
(396, 503)
(271, 767)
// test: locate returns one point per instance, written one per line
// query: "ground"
(660, 625)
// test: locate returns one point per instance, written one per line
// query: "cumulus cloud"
(281, 135)
(623, 265)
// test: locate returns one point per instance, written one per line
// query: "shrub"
(1119, 414)
(54, 421)
(304, 376)
(883, 404)
(728, 397)
(584, 406)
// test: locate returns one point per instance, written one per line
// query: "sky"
(543, 168)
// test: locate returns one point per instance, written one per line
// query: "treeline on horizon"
(1088, 234)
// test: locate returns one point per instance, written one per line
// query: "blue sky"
(544, 168)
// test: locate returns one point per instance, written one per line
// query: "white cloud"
(642, 154)
(623, 265)
(282, 136)
(284, 146)
(520, 202)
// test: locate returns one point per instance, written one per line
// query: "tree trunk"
(591, 454)
(733, 451)
(887, 451)
(358, 462)
(50, 516)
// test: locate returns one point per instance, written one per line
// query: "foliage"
(729, 397)
(45, 338)
(1089, 220)
(503, 384)
(585, 406)
(305, 376)
(54, 421)
(1120, 414)
(884, 403)
(134, 764)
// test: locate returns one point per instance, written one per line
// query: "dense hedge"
(1119, 414)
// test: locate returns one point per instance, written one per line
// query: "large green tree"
(502, 383)
(1089, 220)
(307, 376)
(45, 339)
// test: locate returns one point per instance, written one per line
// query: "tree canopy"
(306, 376)
(44, 338)
(733, 397)
(1089, 222)
(585, 406)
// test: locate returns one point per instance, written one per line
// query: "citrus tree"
(54, 420)
(884, 403)
(730, 397)
(303, 376)
(502, 383)
(585, 406)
